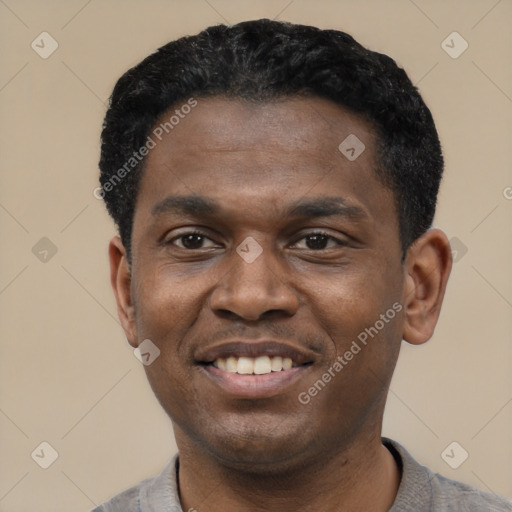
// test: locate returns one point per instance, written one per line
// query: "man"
(274, 187)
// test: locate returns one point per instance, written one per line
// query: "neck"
(362, 476)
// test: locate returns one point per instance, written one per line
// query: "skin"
(254, 161)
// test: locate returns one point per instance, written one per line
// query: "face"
(256, 241)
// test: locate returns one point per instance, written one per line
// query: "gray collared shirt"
(421, 490)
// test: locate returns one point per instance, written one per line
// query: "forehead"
(270, 153)
(296, 125)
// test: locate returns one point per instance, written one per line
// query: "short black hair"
(265, 60)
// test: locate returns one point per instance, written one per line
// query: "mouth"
(255, 369)
(261, 365)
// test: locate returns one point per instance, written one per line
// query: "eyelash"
(312, 233)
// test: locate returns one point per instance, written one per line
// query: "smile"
(254, 365)
(255, 369)
(254, 386)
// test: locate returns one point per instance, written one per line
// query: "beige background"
(68, 377)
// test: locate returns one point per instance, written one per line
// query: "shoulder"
(156, 493)
(126, 501)
(458, 496)
(423, 490)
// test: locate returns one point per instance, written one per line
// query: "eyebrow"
(324, 207)
(192, 205)
(306, 207)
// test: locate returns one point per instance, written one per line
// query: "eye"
(193, 240)
(318, 242)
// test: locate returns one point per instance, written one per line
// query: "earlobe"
(121, 280)
(427, 268)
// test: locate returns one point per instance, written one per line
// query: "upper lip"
(255, 348)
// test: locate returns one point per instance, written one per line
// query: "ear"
(427, 266)
(121, 281)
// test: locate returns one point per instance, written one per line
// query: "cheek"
(167, 307)
(172, 387)
(348, 301)
(364, 348)
(360, 314)
(167, 304)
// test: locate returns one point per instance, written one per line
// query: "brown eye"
(318, 242)
(192, 241)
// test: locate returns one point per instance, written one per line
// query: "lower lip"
(255, 386)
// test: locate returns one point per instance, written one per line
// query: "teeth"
(276, 364)
(245, 365)
(287, 363)
(262, 365)
(253, 365)
(231, 364)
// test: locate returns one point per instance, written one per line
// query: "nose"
(252, 290)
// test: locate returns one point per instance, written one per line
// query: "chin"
(258, 450)
(261, 460)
